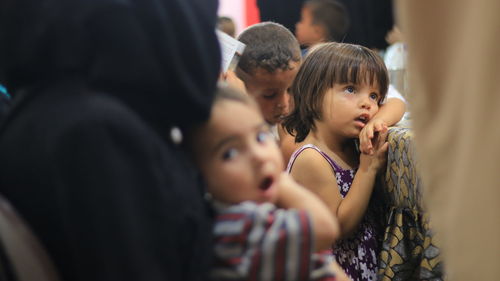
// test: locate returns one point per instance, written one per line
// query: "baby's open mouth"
(266, 183)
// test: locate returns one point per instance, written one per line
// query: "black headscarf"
(108, 197)
(160, 57)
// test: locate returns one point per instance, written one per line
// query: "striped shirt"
(261, 242)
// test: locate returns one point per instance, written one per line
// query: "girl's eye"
(349, 89)
(229, 154)
(262, 136)
(374, 96)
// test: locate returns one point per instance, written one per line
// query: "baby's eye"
(262, 136)
(374, 96)
(229, 154)
(349, 89)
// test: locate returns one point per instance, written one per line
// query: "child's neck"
(342, 150)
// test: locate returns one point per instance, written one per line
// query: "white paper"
(231, 50)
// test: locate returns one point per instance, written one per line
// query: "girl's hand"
(366, 136)
(378, 158)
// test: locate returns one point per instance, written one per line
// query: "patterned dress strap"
(296, 153)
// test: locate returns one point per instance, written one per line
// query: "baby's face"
(238, 156)
(270, 90)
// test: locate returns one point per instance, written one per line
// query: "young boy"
(321, 21)
(267, 226)
(226, 25)
(268, 66)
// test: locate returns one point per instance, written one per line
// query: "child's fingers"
(384, 147)
(369, 132)
(380, 138)
(365, 144)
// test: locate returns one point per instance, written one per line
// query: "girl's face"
(238, 156)
(348, 107)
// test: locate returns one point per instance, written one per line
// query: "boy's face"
(306, 32)
(237, 154)
(270, 90)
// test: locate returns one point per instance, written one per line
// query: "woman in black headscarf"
(86, 154)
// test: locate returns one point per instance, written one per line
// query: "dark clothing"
(85, 154)
(285, 12)
(160, 57)
(4, 102)
(106, 195)
(370, 22)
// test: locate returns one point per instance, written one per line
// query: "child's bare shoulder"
(311, 166)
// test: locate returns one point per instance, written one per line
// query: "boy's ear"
(320, 32)
(242, 75)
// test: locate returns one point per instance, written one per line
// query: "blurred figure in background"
(226, 25)
(395, 59)
(454, 68)
(321, 21)
(102, 91)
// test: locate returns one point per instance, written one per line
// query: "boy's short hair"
(226, 25)
(328, 64)
(270, 46)
(330, 14)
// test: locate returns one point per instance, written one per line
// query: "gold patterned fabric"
(408, 250)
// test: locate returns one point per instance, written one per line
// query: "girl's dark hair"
(325, 65)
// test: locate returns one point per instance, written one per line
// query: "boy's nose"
(284, 103)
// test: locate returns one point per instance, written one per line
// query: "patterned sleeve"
(260, 242)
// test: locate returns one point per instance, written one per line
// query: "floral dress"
(357, 254)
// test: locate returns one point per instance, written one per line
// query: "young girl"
(257, 234)
(337, 91)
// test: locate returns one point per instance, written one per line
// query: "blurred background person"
(88, 159)
(455, 94)
(226, 25)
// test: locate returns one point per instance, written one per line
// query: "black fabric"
(84, 152)
(136, 49)
(285, 12)
(370, 22)
(4, 106)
